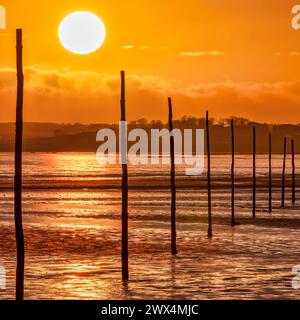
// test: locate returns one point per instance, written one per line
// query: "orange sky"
(232, 57)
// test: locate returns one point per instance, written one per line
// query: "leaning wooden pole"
(232, 174)
(270, 172)
(209, 232)
(283, 175)
(125, 273)
(173, 185)
(293, 174)
(254, 175)
(18, 172)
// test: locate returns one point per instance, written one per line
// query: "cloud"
(84, 96)
(127, 46)
(52, 81)
(162, 48)
(201, 53)
(130, 46)
(294, 53)
(291, 54)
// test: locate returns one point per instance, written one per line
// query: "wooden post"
(232, 174)
(125, 274)
(18, 172)
(254, 174)
(283, 175)
(293, 174)
(173, 185)
(270, 172)
(209, 232)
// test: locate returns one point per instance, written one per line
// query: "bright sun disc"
(82, 32)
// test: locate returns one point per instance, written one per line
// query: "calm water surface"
(72, 231)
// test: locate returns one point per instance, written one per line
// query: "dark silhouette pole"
(293, 174)
(209, 232)
(124, 188)
(254, 173)
(270, 172)
(18, 172)
(283, 175)
(232, 174)
(173, 185)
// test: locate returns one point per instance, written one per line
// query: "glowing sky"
(233, 57)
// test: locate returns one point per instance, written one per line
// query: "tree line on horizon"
(52, 137)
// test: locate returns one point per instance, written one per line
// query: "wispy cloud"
(5, 34)
(290, 54)
(127, 46)
(201, 53)
(162, 48)
(294, 53)
(144, 47)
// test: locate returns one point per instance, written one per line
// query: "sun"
(82, 32)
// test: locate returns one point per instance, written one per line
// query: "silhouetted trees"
(78, 137)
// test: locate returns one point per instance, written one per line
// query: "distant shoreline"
(51, 137)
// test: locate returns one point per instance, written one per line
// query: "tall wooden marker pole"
(254, 174)
(173, 185)
(232, 174)
(293, 174)
(270, 172)
(123, 143)
(209, 232)
(283, 174)
(18, 172)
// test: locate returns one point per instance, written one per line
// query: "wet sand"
(77, 260)
(72, 233)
